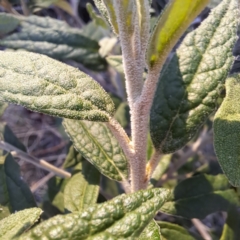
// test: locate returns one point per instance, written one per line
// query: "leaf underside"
(189, 87)
(98, 145)
(82, 189)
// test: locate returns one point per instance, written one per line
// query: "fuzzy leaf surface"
(189, 87)
(172, 231)
(172, 23)
(227, 131)
(82, 189)
(152, 231)
(15, 194)
(107, 10)
(42, 84)
(123, 217)
(98, 145)
(201, 195)
(16, 224)
(8, 23)
(55, 39)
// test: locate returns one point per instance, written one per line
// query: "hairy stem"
(122, 137)
(152, 164)
(139, 121)
(133, 58)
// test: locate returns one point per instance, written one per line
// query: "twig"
(152, 164)
(24, 8)
(41, 182)
(202, 229)
(50, 150)
(121, 136)
(39, 163)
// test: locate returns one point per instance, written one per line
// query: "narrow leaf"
(122, 114)
(226, 131)
(97, 144)
(8, 136)
(152, 231)
(172, 23)
(55, 39)
(16, 224)
(82, 189)
(108, 12)
(96, 18)
(189, 87)
(14, 192)
(124, 217)
(172, 231)
(201, 195)
(56, 187)
(231, 229)
(48, 86)
(160, 169)
(73, 158)
(116, 62)
(8, 23)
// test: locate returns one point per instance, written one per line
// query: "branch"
(122, 137)
(39, 163)
(202, 229)
(152, 164)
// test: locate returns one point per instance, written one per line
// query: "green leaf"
(14, 192)
(8, 136)
(231, 229)
(152, 231)
(189, 87)
(82, 189)
(172, 23)
(55, 39)
(122, 114)
(124, 217)
(172, 231)
(97, 144)
(8, 23)
(48, 86)
(226, 131)
(116, 62)
(96, 18)
(17, 223)
(56, 187)
(73, 158)
(107, 10)
(160, 169)
(201, 195)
